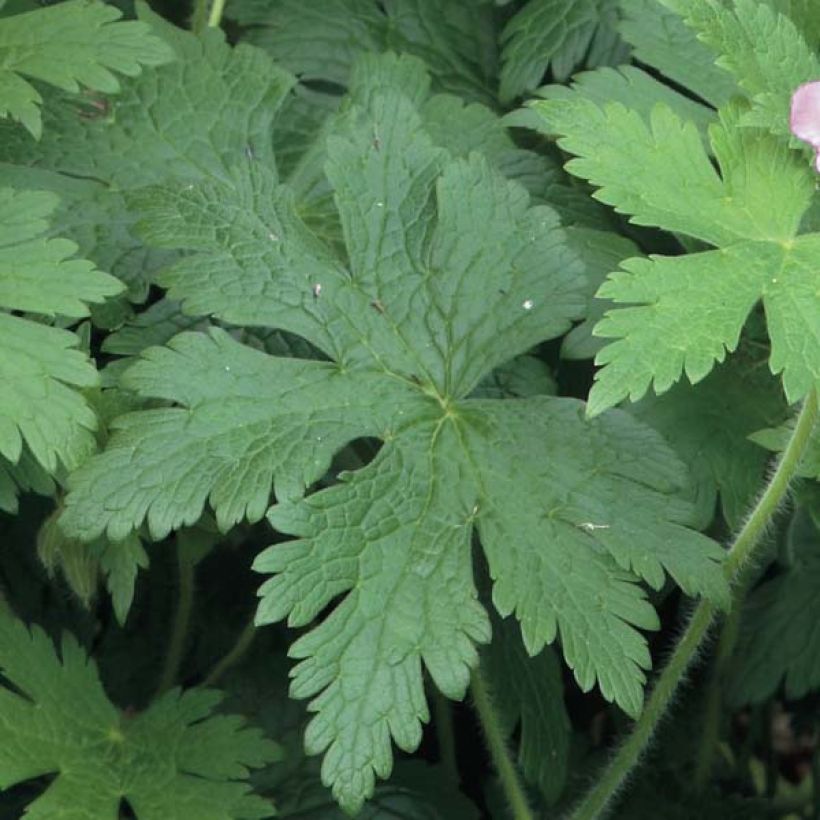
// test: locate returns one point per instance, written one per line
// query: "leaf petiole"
(627, 757)
(498, 749)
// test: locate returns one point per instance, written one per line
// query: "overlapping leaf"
(70, 45)
(211, 107)
(686, 312)
(321, 39)
(662, 40)
(761, 46)
(174, 760)
(40, 368)
(448, 274)
(536, 34)
(529, 693)
(778, 636)
(207, 110)
(711, 425)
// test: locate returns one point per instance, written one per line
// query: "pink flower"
(805, 117)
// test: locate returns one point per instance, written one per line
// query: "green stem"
(710, 736)
(445, 735)
(497, 746)
(215, 17)
(199, 16)
(182, 620)
(627, 757)
(234, 654)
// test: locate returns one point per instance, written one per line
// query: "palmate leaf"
(762, 47)
(40, 369)
(174, 761)
(70, 45)
(686, 312)
(448, 274)
(94, 216)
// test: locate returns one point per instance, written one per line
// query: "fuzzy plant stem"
(233, 655)
(628, 755)
(710, 735)
(215, 17)
(497, 746)
(182, 620)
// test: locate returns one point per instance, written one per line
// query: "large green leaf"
(448, 273)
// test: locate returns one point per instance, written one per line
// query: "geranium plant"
(363, 359)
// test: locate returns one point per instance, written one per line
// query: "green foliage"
(686, 312)
(40, 367)
(714, 427)
(762, 47)
(528, 693)
(309, 300)
(777, 640)
(534, 37)
(661, 39)
(174, 760)
(415, 222)
(70, 45)
(320, 40)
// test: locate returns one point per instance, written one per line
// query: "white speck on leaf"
(528, 304)
(588, 526)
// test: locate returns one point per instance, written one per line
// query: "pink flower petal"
(805, 117)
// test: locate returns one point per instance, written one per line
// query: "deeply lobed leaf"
(174, 760)
(447, 273)
(684, 313)
(39, 367)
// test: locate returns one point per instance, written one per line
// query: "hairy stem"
(497, 746)
(234, 654)
(742, 549)
(710, 735)
(445, 735)
(182, 620)
(215, 17)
